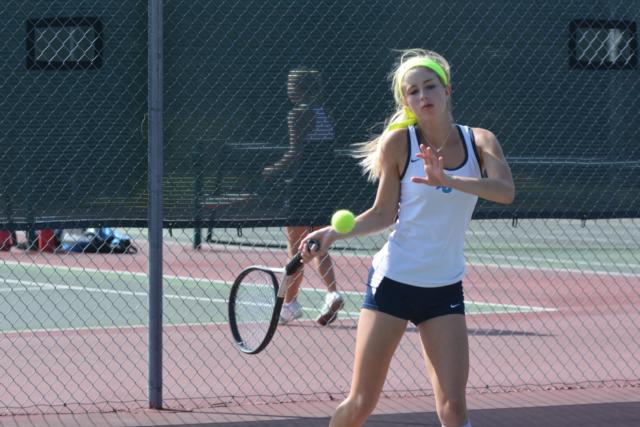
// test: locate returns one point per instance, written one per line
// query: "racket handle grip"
(313, 245)
(296, 261)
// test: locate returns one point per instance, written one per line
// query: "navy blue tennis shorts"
(414, 303)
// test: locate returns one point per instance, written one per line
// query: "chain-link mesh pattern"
(565, 129)
(552, 281)
(74, 98)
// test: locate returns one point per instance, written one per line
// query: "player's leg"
(446, 350)
(333, 301)
(294, 236)
(377, 338)
(291, 308)
(325, 268)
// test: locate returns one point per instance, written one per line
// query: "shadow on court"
(595, 407)
(485, 332)
(625, 414)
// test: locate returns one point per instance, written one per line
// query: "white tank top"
(426, 247)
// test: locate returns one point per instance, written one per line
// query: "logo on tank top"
(444, 189)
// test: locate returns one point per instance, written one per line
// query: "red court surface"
(593, 316)
(618, 407)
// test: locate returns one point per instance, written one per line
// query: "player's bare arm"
(392, 158)
(393, 154)
(496, 183)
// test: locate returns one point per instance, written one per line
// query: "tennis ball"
(343, 221)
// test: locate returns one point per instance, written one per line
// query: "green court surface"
(36, 297)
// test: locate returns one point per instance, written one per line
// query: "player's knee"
(452, 411)
(361, 406)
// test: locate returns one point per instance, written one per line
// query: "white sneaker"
(290, 311)
(333, 302)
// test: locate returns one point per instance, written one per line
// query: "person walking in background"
(430, 173)
(311, 137)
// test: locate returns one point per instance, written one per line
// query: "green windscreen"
(557, 83)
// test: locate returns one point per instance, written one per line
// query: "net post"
(155, 105)
(197, 153)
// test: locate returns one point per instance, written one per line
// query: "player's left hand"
(433, 168)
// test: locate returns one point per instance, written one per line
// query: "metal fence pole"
(155, 203)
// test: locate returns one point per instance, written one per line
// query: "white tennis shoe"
(333, 302)
(290, 311)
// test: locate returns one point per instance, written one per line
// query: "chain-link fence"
(552, 280)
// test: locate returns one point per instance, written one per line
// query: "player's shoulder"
(394, 139)
(393, 145)
(484, 137)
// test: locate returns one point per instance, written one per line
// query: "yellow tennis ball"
(343, 221)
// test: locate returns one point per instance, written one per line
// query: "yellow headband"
(410, 118)
(426, 63)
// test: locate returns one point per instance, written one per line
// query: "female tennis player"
(430, 173)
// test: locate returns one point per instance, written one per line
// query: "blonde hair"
(368, 152)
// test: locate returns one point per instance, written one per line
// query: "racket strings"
(254, 307)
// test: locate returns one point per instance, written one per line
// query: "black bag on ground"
(100, 240)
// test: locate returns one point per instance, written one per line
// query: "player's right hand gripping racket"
(256, 300)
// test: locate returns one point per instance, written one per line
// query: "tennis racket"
(256, 300)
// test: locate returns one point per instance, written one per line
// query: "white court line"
(29, 285)
(44, 285)
(141, 274)
(469, 264)
(555, 261)
(48, 286)
(22, 289)
(552, 270)
(101, 328)
(97, 270)
(518, 308)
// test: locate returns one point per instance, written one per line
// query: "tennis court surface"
(551, 408)
(551, 341)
